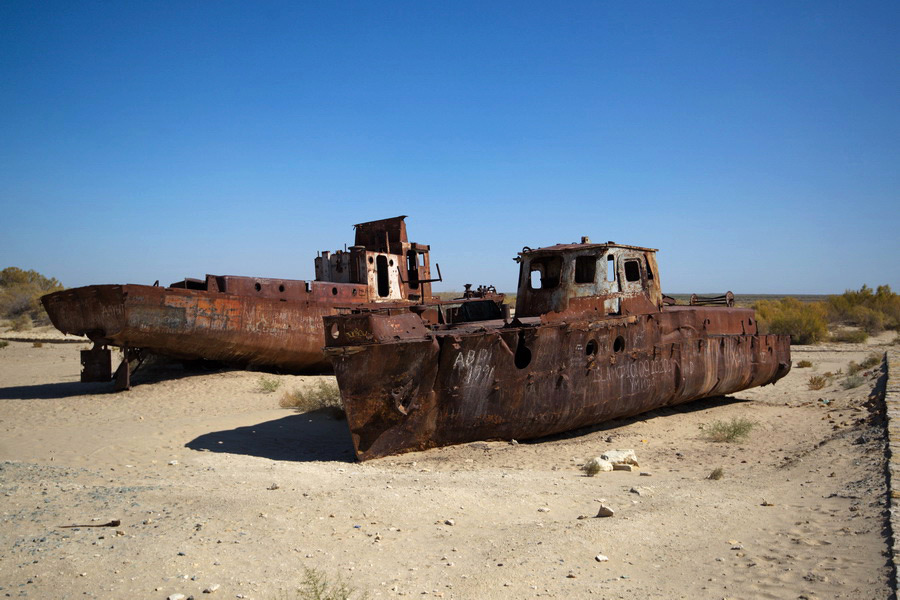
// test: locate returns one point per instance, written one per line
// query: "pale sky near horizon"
(756, 144)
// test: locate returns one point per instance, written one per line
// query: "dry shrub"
(873, 359)
(37, 344)
(20, 296)
(850, 336)
(728, 431)
(852, 381)
(817, 382)
(872, 311)
(321, 395)
(716, 474)
(21, 323)
(3, 343)
(591, 468)
(803, 364)
(805, 322)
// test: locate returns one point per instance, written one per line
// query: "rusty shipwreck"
(250, 321)
(593, 339)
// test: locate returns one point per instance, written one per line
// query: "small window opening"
(610, 267)
(585, 269)
(591, 348)
(619, 344)
(281, 288)
(548, 271)
(632, 270)
(384, 285)
(334, 291)
(371, 260)
(257, 286)
(649, 270)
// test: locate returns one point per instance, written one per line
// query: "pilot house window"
(544, 272)
(632, 270)
(585, 269)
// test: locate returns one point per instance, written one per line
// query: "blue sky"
(756, 144)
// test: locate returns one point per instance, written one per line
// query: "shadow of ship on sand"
(312, 436)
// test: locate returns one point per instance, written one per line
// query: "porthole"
(334, 291)
(334, 331)
(281, 288)
(591, 348)
(391, 262)
(619, 344)
(371, 260)
(257, 286)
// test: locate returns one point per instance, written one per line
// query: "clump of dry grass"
(850, 336)
(37, 344)
(590, 468)
(817, 382)
(852, 381)
(267, 385)
(873, 359)
(3, 343)
(803, 364)
(716, 474)
(734, 430)
(321, 395)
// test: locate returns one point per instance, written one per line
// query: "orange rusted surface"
(593, 339)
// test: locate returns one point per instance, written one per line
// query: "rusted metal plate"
(573, 358)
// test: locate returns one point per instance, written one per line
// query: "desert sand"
(215, 485)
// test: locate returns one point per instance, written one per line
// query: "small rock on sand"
(601, 558)
(605, 511)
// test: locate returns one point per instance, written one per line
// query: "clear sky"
(756, 144)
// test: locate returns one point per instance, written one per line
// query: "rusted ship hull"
(537, 379)
(200, 324)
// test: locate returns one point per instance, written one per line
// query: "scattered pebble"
(176, 597)
(601, 558)
(449, 522)
(543, 509)
(211, 589)
(605, 511)
(172, 463)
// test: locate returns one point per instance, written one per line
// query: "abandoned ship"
(593, 339)
(247, 321)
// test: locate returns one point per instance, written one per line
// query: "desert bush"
(728, 431)
(267, 385)
(3, 343)
(321, 395)
(591, 468)
(316, 586)
(37, 344)
(852, 381)
(870, 310)
(817, 382)
(20, 295)
(803, 364)
(871, 360)
(805, 322)
(853, 368)
(21, 323)
(850, 336)
(716, 474)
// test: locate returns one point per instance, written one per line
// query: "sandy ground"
(214, 484)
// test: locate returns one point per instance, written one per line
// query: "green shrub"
(3, 343)
(267, 385)
(591, 468)
(817, 382)
(852, 381)
(803, 364)
(805, 322)
(316, 586)
(20, 296)
(850, 336)
(728, 431)
(321, 395)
